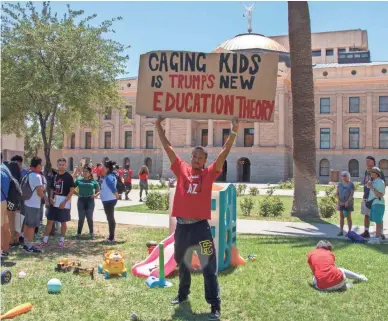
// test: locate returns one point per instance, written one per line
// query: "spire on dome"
(248, 15)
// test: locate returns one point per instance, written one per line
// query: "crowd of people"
(372, 205)
(26, 193)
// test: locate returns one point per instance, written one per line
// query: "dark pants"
(85, 209)
(198, 237)
(128, 188)
(109, 208)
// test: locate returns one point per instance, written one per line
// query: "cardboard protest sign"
(199, 85)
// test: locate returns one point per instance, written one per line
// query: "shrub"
(241, 188)
(163, 183)
(135, 186)
(356, 185)
(253, 191)
(271, 206)
(289, 184)
(246, 205)
(157, 201)
(328, 204)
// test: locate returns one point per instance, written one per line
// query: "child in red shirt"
(326, 275)
(143, 181)
(192, 208)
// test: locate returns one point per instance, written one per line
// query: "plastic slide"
(150, 266)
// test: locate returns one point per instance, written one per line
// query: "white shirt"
(35, 180)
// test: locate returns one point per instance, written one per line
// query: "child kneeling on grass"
(327, 276)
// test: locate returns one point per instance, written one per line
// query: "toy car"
(64, 265)
(84, 271)
(113, 264)
(6, 276)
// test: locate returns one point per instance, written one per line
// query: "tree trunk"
(303, 112)
(46, 146)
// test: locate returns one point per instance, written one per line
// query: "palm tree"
(303, 113)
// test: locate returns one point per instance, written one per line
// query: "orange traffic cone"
(235, 257)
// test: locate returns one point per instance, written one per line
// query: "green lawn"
(357, 218)
(320, 187)
(275, 287)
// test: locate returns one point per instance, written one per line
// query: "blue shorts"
(58, 214)
(377, 213)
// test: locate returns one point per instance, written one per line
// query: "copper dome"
(250, 41)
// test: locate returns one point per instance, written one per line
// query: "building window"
(204, 136)
(329, 52)
(354, 168)
(354, 104)
(324, 106)
(341, 50)
(108, 114)
(129, 112)
(383, 138)
(325, 138)
(71, 164)
(316, 53)
(324, 167)
(354, 138)
(225, 135)
(148, 163)
(383, 104)
(248, 137)
(383, 165)
(149, 139)
(88, 140)
(72, 141)
(128, 140)
(108, 140)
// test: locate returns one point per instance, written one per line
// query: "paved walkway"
(243, 226)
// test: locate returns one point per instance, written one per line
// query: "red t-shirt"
(143, 177)
(322, 263)
(193, 192)
(120, 172)
(127, 174)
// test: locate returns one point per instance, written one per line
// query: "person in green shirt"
(88, 190)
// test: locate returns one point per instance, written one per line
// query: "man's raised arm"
(227, 147)
(166, 144)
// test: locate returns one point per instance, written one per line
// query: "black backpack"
(14, 192)
(119, 185)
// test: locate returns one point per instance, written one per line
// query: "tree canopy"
(57, 71)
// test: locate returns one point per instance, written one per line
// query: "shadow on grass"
(8, 263)
(184, 312)
(295, 240)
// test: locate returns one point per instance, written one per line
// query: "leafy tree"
(57, 71)
(303, 113)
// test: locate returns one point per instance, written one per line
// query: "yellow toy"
(66, 265)
(113, 264)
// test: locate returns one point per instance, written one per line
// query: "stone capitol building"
(351, 104)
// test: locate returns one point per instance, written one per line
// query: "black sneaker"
(215, 313)
(32, 249)
(21, 240)
(365, 235)
(382, 237)
(4, 254)
(178, 300)
(14, 245)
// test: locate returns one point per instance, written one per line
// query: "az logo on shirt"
(193, 184)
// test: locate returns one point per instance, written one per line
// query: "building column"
(339, 140)
(168, 128)
(256, 137)
(137, 130)
(188, 132)
(116, 144)
(281, 124)
(210, 131)
(77, 138)
(369, 118)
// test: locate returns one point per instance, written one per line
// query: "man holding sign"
(192, 208)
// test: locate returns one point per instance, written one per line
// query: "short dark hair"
(372, 158)
(17, 158)
(323, 244)
(110, 165)
(61, 160)
(201, 149)
(117, 166)
(36, 161)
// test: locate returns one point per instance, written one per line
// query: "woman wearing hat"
(376, 198)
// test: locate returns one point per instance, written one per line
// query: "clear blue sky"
(201, 26)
